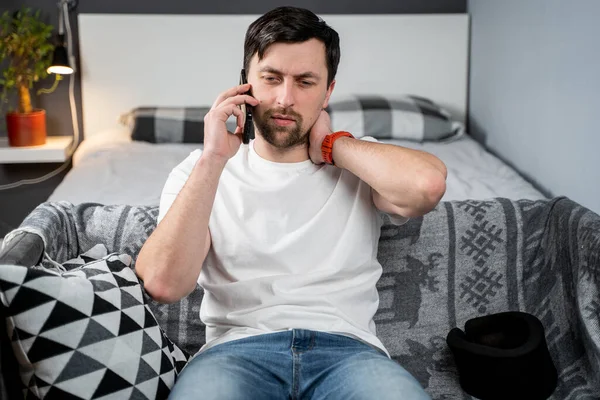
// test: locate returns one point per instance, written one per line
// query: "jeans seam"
(311, 345)
(295, 377)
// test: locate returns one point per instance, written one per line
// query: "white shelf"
(56, 149)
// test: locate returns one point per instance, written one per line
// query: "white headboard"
(187, 60)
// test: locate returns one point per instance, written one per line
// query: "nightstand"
(27, 163)
(56, 150)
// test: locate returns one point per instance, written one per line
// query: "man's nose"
(285, 95)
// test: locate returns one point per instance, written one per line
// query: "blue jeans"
(296, 364)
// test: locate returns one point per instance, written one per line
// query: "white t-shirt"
(294, 245)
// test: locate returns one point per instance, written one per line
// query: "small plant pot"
(26, 129)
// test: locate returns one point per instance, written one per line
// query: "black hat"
(503, 356)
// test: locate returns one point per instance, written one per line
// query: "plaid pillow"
(402, 117)
(169, 124)
(86, 333)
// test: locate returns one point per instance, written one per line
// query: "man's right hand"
(218, 141)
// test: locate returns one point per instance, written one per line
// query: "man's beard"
(270, 131)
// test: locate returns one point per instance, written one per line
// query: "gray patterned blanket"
(462, 260)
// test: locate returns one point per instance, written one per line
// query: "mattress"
(112, 169)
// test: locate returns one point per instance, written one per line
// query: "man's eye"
(270, 78)
(307, 83)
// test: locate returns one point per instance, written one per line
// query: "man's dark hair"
(291, 25)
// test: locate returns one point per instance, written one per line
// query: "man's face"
(291, 84)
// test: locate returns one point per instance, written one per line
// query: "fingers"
(239, 100)
(227, 104)
(239, 89)
(223, 113)
(241, 118)
(231, 106)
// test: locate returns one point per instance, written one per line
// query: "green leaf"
(25, 49)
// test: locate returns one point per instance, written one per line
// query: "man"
(282, 233)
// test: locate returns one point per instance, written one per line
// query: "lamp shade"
(60, 62)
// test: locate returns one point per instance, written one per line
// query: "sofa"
(463, 260)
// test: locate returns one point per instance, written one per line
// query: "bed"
(166, 61)
(118, 170)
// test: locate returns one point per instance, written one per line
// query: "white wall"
(534, 94)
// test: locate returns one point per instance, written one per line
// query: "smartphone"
(248, 132)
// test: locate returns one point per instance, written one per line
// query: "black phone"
(248, 132)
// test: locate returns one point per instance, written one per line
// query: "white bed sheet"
(474, 173)
(112, 169)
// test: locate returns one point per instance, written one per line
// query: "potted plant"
(25, 54)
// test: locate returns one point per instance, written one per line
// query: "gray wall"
(535, 90)
(15, 204)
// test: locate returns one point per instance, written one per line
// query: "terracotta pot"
(26, 129)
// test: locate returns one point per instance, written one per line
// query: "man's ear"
(328, 94)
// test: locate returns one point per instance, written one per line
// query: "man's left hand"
(320, 129)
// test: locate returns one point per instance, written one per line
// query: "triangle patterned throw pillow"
(86, 333)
